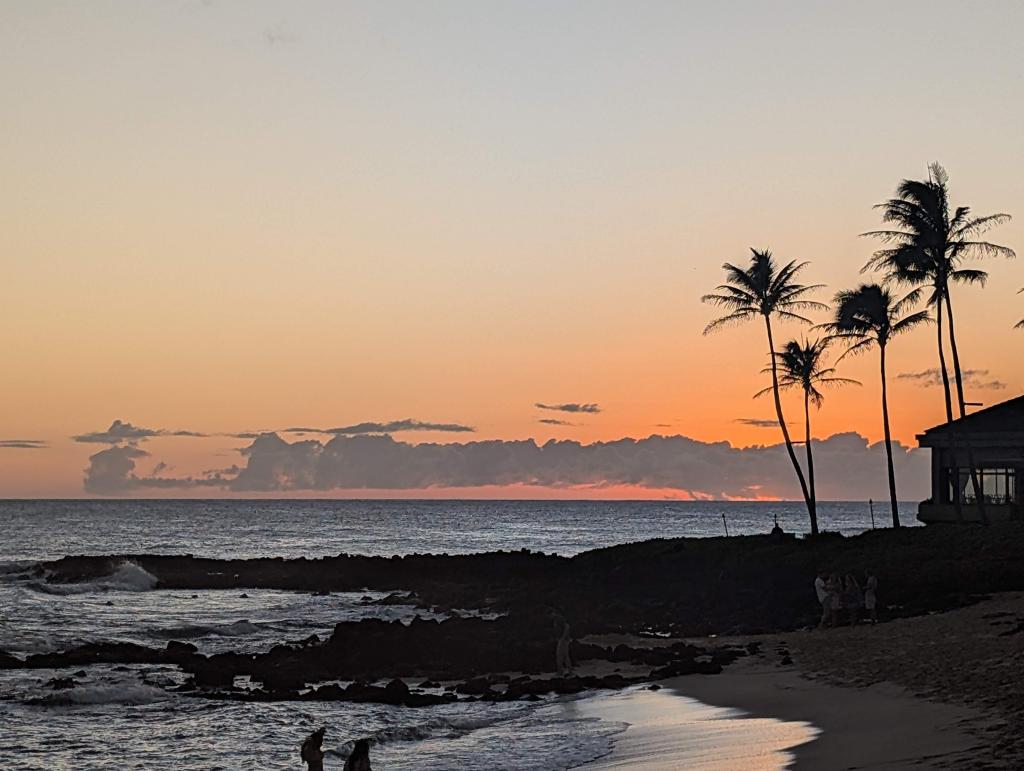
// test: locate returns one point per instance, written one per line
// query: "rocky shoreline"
(660, 590)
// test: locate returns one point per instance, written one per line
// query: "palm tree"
(870, 316)
(764, 289)
(928, 247)
(803, 367)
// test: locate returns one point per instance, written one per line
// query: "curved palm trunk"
(888, 446)
(810, 456)
(957, 504)
(811, 511)
(942, 363)
(958, 375)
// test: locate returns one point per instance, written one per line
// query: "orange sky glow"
(222, 219)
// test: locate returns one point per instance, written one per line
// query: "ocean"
(121, 716)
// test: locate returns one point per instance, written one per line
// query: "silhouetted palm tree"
(803, 367)
(764, 289)
(929, 248)
(868, 316)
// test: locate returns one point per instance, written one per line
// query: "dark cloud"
(112, 472)
(555, 422)
(846, 466)
(391, 427)
(23, 444)
(759, 422)
(122, 431)
(571, 407)
(976, 378)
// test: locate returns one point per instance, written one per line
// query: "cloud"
(112, 472)
(759, 422)
(570, 407)
(555, 422)
(390, 427)
(976, 378)
(122, 431)
(23, 444)
(847, 467)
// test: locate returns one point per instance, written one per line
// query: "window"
(998, 485)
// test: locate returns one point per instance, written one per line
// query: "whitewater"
(126, 716)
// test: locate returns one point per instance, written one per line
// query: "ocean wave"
(187, 631)
(121, 693)
(432, 727)
(14, 568)
(128, 577)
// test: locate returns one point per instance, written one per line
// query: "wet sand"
(787, 721)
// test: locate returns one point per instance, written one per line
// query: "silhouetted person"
(871, 595)
(852, 598)
(563, 664)
(359, 760)
(821, 590)
(834, 587)
(312, 753)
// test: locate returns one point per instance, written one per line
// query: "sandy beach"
(937, 691)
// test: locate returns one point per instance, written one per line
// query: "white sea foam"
(188, 631)
(119, 693)
(128, 577)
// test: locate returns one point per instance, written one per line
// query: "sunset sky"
(226, 218)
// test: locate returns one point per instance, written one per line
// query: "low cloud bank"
(846, 467)
(390, 427)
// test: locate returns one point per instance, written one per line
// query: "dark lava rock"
(97, 653)
(9, 661)
(61, 683)
(177, 648)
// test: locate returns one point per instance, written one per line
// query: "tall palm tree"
(765, 289)
(870, 316)
(803, 367)
(929, 247)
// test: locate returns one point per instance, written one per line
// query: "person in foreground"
(359, 760)
(312, 752)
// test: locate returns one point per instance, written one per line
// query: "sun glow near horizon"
(228, 220)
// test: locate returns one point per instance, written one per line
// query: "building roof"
(1003, 418)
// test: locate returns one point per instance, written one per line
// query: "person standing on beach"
(359, 760)
(871, 595)
(852, 598)
(311, 752)
(562, 661)
(834, 586)
(821, 589)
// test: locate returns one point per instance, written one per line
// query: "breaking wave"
(129, 577)
(188, 631)
(121, 693)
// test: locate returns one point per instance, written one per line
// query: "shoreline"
(780, 718)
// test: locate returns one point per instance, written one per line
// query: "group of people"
(312, 753)
(837, 594)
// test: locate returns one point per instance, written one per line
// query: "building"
(995, 438)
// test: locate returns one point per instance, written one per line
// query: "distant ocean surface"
(119, 716)
(37, 530)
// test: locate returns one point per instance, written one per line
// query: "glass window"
(998, 485)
